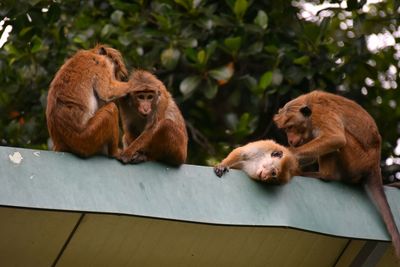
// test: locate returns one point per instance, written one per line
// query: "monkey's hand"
(135, 158)
(139, 157)
(220, 170)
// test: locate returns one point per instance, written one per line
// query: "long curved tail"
(375, 189)
(394, 184)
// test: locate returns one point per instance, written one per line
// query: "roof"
(69, 211)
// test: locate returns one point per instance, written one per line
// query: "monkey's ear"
(306, 111)
(102, 50)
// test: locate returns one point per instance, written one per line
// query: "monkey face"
(145, 102)
(296, 122)
(265, 167)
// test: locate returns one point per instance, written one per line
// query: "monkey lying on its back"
(263, 160)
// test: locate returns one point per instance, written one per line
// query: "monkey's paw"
(220, 170)
(138, 157)
(134, 158)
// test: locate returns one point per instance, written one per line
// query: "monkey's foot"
(116, 154)
(134, 158)
(220, 170)
(138, 157)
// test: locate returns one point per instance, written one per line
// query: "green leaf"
(210, 48)
(189, 42)
(271, 49)
(233, 43)
(189, 84)
(125, 39)
(255, 48)
(24, 31)
(187, 4)
(107, 30)
(210, 90)
(36, 44)
(302, 60)
(117, 16)
(34, 2)
(10, 49)
(162, 21)
(261, 19)
(201, 57)
(265, 80)
(191, 55)
(243, 121)
(222, 74)
(240, 7)
(78, 40)
(170, 58)
(250, 82)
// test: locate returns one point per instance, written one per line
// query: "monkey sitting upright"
(345, 140)
(263, 160)
(154, 128)
(80, 115)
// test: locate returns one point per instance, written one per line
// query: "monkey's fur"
(80, 115)
(154, 128)
(345, 140)
(263, 160)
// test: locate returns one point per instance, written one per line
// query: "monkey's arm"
(233, 160)
(111, 89)
(330, 137)
(133, 150)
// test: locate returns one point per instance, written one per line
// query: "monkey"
(344, 139)
(81, 117)
(264, 160)
(154, 128)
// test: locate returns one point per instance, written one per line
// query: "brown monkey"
(80, 117)
(345, 140)
(263, 160)
(154, 128)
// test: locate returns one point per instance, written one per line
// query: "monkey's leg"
(317, 175)
(169, 144)
(328, 168)
(130, 153)
(100, 131)
(331, 139)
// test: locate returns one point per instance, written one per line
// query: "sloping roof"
(63, 210)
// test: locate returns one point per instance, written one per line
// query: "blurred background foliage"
(229, 64)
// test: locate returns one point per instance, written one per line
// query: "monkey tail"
(394, 184)
(377, 193)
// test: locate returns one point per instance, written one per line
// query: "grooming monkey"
(154, 128)
(345, 140)
(263, 160)
(80, 115)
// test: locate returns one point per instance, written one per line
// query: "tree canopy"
(229, 64)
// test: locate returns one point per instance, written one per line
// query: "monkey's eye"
(150, 97)
(140, 97)
(289, 128)
(277, 154)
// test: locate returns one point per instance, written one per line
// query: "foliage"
(229, 64)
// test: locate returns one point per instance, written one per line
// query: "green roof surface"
(64, 182)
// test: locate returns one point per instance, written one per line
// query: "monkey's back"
(357, 121)
(71, 99)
